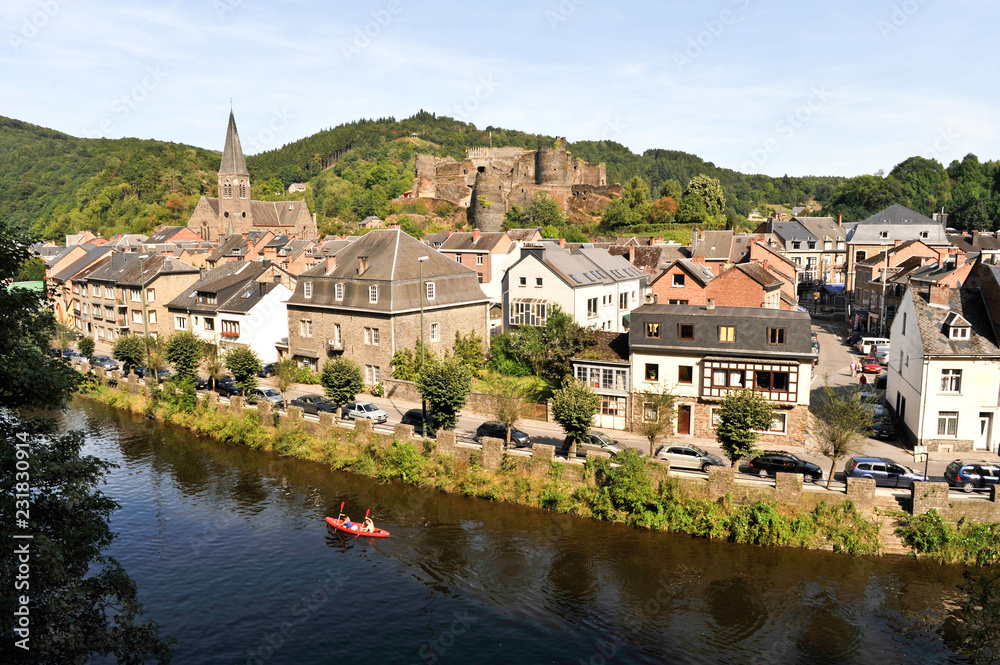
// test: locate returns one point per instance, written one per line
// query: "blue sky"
(808, 87)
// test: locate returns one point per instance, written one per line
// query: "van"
(865, 344)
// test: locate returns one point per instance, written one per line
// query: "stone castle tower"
(234, 184)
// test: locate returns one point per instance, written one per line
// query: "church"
(234, 212)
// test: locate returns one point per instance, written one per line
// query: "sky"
(805, 87)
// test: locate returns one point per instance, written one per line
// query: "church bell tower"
(234, 185)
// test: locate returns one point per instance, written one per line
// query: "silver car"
(265, 394)
(686, 456)
(365, 410)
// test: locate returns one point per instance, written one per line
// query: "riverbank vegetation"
(633, 491)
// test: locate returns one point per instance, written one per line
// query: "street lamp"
(423, 402)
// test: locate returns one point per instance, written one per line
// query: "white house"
(944, 370)
(597, 289)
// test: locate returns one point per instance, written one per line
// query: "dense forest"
(52, 183)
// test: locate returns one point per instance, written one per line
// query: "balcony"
(123, 322)
(334, 345)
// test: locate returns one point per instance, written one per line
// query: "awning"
(862, 313)
(306, 353)
(833, 288)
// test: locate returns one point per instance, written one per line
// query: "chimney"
(765, 264)
(840, 220)
(451, 232)
(475, 235)
(975, 237)
(711, 304)
(938, 294)
(362, 264)
(897, 242)
(562, 242)
(331, 263)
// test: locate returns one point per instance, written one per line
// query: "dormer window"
(923, 234)
(958, 333)
(430, 290)
(339, 291)
(884, 234)
(955, 327)
(307, 289)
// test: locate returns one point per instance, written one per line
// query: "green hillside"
(52, 183)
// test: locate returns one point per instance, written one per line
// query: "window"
(884, 234)
(796, 244)
(904, 323)
(528, 313)
(134, 295)
(538, 282)
(685, 331)
(429, 287)
(150, 294)
(622, 301)
(724, 378)
(227, 190)
(812, 244)
(180, 322)
(779, 423)
(95, 290)
(307, 289)
(230, 328)
(613, 406)
(109, 293)
(652, 330)
(591, 307)
(435, 332)
(209, 323)
(678, 280)
(479, 259)
(373, 374)
(771, 381)
(649, 412)
(958, 332)
(522, 281)
(685, 374)
(371, 336)
(947, 423)
(859, 256)
(338, 291)
(336, 334)
(827, 245)
(306, 327)
(923, 234)
(727, 333)
(652, 372)
(136, 316)
(776, 336)
(373, 294)
(951, 380)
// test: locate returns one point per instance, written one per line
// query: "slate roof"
(226, 281)
(267, 213)
(900, 223)
(759, 274)
(824, 227)
(701, 273)
(466, 241)
(243, 300)
(608, 347)
(232, 155)
(651, 260)
(165, 234)
(93, 253)
(523, 235)
(974, 243)
(393, 266)
(234, 245)
(436, 239)
(934, 273)
(965, 303)
(751, 324)
(584, 267)
(793, 231)
(722, 246)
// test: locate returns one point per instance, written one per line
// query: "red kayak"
(355, 529)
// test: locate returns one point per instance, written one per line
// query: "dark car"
(518, 439)
(882, 380)
(227, 387)
(201, 384)
(267, 370)
(972, 475)
(412, 417)
(104, 362)
(771, 462)
(883, 428)
(143, 372)
(882, 470)
(314, 404)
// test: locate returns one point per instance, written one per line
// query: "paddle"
(341, 515)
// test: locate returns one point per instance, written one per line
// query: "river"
(233, 558)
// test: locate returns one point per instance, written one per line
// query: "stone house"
(595, 288)
(944, 366)
(60, 273)
(365, 301)
(831, 235)
(238, 304)
(490, 255)
(700, 353)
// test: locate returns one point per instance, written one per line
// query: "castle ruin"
(490, 180)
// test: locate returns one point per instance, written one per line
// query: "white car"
(365, 410)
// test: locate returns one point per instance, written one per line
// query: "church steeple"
(234, 183)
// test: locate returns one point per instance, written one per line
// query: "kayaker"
(347, 522)
(369, 526)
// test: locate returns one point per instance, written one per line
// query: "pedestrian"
(853, 366)
(863, 380)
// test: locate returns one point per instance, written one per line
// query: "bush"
(378, 390)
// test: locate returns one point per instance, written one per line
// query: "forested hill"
(53, 183)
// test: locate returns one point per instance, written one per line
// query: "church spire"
(232, 156)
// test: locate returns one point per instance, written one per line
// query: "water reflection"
(226, 542)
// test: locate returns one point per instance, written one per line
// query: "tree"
(657, 416)
(446, 385)
(64, 335)
(672, 189)
(406, 364)
(86, 346)
(82, 602)
(664, 211)
(704, 201)
(843, 424)
(341, 380)
(742, 415)
(573, 407)
(130, 350)
(183, 350)
(243, 363)
(32, 270)
(469, 350)
(284, 377)
(214, 367)
(506, 399)
(630, 210)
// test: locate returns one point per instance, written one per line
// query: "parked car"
(105, 362)
(201, 384)
(365, 410)
(878, 410)
(270, 369)
(971, 476)
(882, 356)
(142, 372)
(595, 441)
(771, 462)
(687, 456)
(882, 380)
(870, 366)
(518, 439)
(854, 338)
(76, 358)
(314, 404)
(227, 387)
(413, 417)
(883, 428)
(882, 470)
(265, 394)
